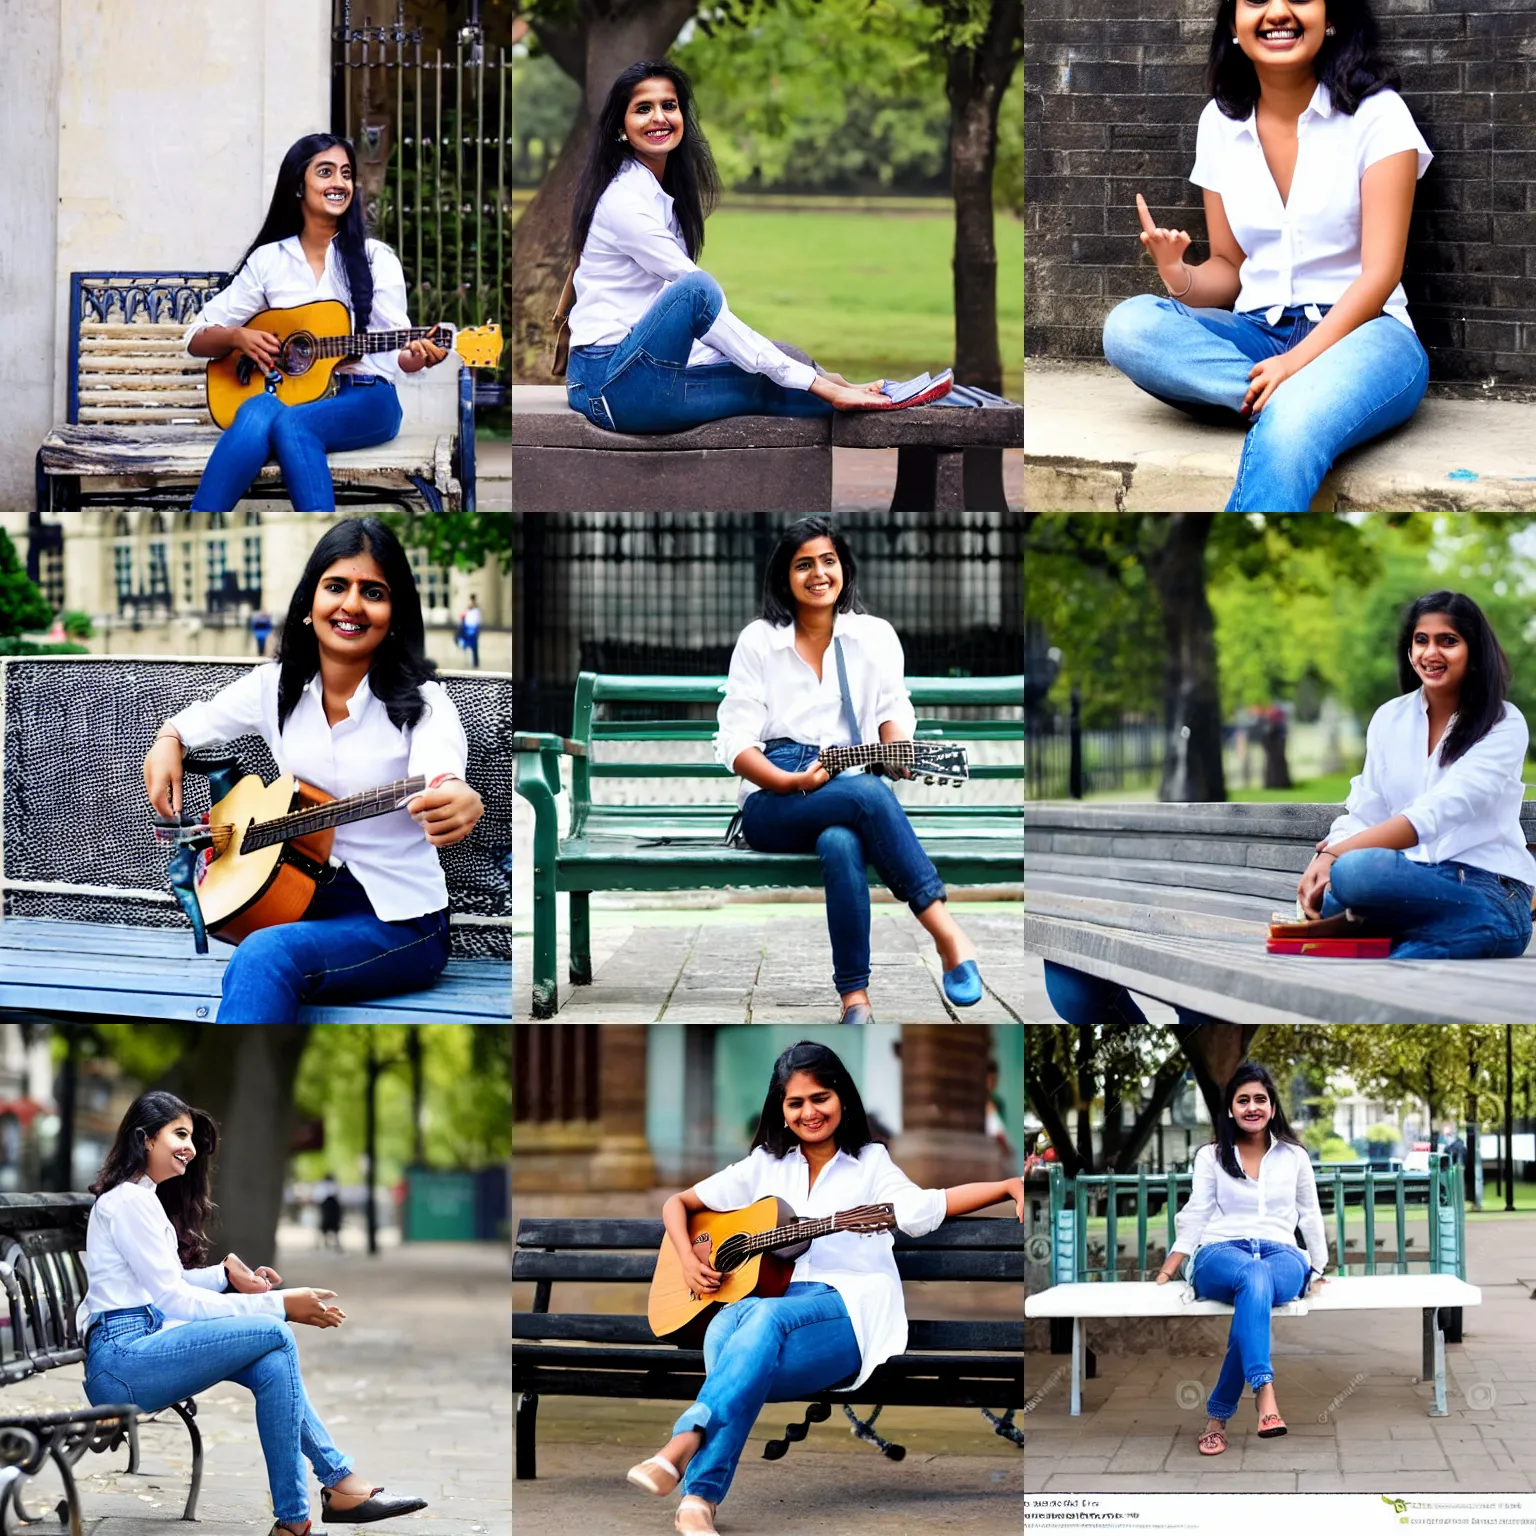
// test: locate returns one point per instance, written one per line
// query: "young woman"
(843, 1314)
(784, 700)
(160, 1325)
(1297, 321)
(312, 246)
(1253, 1186)
(654, 347)
(350, 704)
(1430, 849)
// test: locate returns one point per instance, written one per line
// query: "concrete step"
(1094, 442)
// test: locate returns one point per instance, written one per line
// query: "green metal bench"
(613, 847)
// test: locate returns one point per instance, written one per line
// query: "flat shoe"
(656, 1475)
(857, 1013)
(372, 1508)
(962, 986)
(696, 1502)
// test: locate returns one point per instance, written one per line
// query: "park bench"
(1082, 1290)
(89, 921)
(137, 431)
(622, 848)
(42, 1270)
(949, 459)
(1172, 901)
(972, 1364)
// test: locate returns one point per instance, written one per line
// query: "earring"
(1328, 31)
(621, 138)
(307, 619)
(1234, 37)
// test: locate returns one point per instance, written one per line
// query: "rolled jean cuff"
(694, 1416)
(925, 897)
(328, 1477)
(1260, 1379)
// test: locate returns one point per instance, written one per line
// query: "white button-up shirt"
(279, 276)
(861, 1269)
(773, 691)
(634, 250)
(1469, 812)
(389, 854)
(1221, 1209)
(1305, 250)
(131, 1261)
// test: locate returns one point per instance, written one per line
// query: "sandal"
(1212, 1443)
(656, 1475)
(693, 1504)
(1276, 1426)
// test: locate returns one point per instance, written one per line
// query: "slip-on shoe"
(962, 986)
(372, 1508)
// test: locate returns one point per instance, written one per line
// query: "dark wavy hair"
(690, 178)
(1485, 684)
(399, 666)
(285, 217)
(1349, 63)
(778, 601)
(1224, 1135)
(826, 1068)
(186, 1199)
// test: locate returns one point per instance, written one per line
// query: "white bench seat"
(1345, 1293)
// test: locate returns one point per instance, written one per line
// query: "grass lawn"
(1331, 789)
(869, 294)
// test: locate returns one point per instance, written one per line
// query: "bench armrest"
(467, 438)
(544, 741)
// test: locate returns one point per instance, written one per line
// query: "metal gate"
(429, 108)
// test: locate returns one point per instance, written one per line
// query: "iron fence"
(669, 593)
(1125, 756)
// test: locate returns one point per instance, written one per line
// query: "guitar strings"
(261, 834)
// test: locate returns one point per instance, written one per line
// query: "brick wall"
(1111, 106)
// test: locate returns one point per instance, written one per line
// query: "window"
(122, 570)
(188, 576)
(217, 520)
(216, 565)
(250, 566)
(159, 574)
(51, 577)
(432, 582)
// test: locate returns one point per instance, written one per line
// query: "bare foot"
(1265, 1398)
(955, 949)
(351, 1491)
(680, 1449)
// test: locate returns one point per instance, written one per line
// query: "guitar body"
(241, 892)
(676, 1314)
(306, 375)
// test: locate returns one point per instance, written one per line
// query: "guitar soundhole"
(299, 353)
(731, 1254)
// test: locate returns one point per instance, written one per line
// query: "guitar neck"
(792, 1232)
(370, 341)
(898, 753)
(334, 813)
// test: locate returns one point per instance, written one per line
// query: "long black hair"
(399, 666)
(285, 217)
(778, 601)
(1484, 685)
(186, 1198)
(823, 1065)
(1225, 1130)
(690, 178)
(1349, 63)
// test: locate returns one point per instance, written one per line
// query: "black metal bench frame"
(948, 1364)
(42, 1270)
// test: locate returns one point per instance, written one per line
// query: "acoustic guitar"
(929, 758)
(270, 845)
(314, 339)
(754, 1249)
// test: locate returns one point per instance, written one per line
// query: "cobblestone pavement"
(416, 1386)
(1349, 1388)
(772, 964)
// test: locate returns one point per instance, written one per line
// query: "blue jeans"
(1083, 999)
(851, 821)
(1446, 911)
(338, 951)
(357, 416)
(644, 384)
(1252, 1276)
(131, 1358)
(1359, 388)
(766, 1349)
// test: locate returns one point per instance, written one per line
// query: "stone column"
(555, 1116)
(623, 1158)
(944, 1098)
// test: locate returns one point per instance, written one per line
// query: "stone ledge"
(1093, 442)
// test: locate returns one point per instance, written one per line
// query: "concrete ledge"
(543, 418)
(1093, 442)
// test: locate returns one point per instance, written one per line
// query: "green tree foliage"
(22, 604)
(462, 539)
(1008, 179)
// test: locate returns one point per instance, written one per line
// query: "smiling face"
(351, 609)
(816, 575)
(1252, 1108)
(653, 121)
(170, 1150)
(1281, 34)
(1437, 652)
(328, 190)
(811, 1111)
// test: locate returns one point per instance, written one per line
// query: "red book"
(1346, 949)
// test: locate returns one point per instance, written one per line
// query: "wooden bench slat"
(632, 1328)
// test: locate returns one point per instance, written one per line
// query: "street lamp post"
(1509, 1117)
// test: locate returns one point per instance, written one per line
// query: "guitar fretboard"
(900, 753)
(798, 1231)
(372, 341)
(372, 802)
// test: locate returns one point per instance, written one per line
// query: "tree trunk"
(975, 83)
(1192, 768)
(1046, 1085)
(593, 55)
(243, 1076)
(1215, 1052)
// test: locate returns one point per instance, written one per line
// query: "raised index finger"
(1145, 216)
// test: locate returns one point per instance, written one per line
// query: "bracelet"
(169, 733)
(1185, 289)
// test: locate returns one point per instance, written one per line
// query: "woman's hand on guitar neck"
(162, 776)
(448, 813)
(807, 780)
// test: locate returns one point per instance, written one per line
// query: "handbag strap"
(842, 686)
(561, 321)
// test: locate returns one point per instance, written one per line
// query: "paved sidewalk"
(1348, 1386)
(1093, 442)
(493, 475)
(416, 1386)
